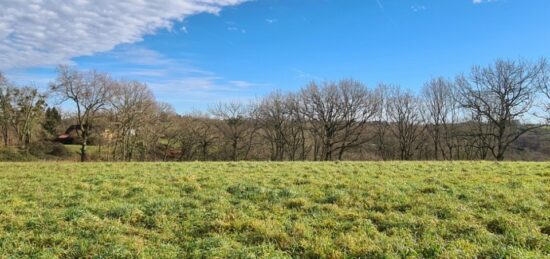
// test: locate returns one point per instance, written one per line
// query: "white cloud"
(233, 28)
(175, 80)
(46, 32)
(130, 54)
(200, 92)
(418, 8)
(482, 1)
(304, 75)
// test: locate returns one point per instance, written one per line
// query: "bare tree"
(20, 110)
(501, 96)
(337, 114)
(544, 84)
(272, 117)
(359, 107)
(205, 134)
(236, 128)
(297, 136)
(381, 122)
(318, 107)
(29, 106)
(475, 134)
(89, 91)
(133, 108)
(161, 120)
(186, 139)
(193, 134)
(440, 112)
(6, 108)
(451, 124)
(282, 126)
(404, 114)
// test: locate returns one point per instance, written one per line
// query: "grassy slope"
(74, 150)
(275, 209)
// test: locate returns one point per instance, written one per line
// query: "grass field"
(416, 209)
(74, 151)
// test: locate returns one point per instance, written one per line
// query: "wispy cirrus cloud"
(304, 75)
(178, 81)
(380, 5)
(418, 8)
(483, 1)
(200, 92)
(45, 32)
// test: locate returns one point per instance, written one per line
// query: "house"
(70, 136)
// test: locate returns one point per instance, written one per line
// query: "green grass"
(73, 148)
(93, 151)
(393, 210)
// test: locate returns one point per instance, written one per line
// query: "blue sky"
(242, 50)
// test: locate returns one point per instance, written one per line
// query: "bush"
(59, 150)
(14, 155)
(46, 150)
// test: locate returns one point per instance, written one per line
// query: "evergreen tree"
(52, 121)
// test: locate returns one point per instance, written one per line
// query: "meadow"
(275, 210)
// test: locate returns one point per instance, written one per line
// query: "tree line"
(494, 112)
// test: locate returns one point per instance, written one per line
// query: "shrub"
(46, 149)
(59, 150)
(14, 155)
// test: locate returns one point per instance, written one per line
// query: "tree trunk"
(500, 156)
(234, 150)
(6, 137)
(341, 153)
(328, 152)
(436, 148)
(83, 148)
(204, 151)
